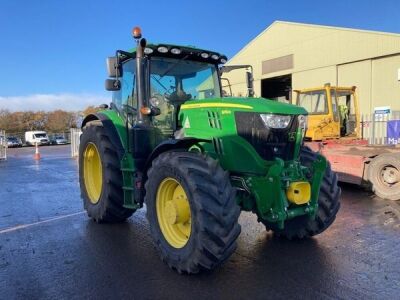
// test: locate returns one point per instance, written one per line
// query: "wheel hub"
(177, 211)
(173, 212)
(92, 172)
(391, 175)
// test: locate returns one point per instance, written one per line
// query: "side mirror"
(103, 106)
(250, 85)
(114, 69)
(112, 85)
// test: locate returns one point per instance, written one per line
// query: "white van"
(39, 137)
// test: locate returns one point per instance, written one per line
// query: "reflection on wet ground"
(59, 253)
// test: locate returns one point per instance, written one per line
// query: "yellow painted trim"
(219, 105)
(322, 88)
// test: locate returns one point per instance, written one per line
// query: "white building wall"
(358, 74)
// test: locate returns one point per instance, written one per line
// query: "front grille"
(268, 142)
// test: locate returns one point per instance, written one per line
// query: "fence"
(374, 127)
(3, 145)
(75, 135)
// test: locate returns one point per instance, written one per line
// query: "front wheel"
(192, 211)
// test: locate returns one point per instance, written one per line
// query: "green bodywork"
(212, 122)
(127, 163)
(208, 124)
(265, 181)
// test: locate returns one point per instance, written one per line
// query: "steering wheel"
(179, 97)
(160, 99)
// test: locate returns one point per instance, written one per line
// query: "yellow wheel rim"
(173, 212)
(92, 172)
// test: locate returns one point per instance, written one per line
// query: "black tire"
(383, 173)
(328, 205)
(109, 207)
(214, 211)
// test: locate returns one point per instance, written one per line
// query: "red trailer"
(376, 167)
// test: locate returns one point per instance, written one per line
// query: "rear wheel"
(384, 175)
(192, 211)
(100, 176)
(328, 205)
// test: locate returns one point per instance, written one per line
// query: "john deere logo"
(186, 124)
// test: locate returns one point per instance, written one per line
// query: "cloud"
(49, 102)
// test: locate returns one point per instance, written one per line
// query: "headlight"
(276, 121)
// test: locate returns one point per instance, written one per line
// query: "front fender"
(114, 127)
(172, 144)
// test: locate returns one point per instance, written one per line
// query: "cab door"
(348, 112)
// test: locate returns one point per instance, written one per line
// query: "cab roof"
(184, 52)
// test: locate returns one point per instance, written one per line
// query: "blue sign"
(393, 132)
(382, 111)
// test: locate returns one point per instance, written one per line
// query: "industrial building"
(289, 56)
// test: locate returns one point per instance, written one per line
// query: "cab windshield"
(315, 102)
(181, 80)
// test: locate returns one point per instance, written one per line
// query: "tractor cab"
(332, 112)
(152, 81)
(170, 76)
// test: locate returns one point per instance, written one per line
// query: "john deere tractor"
(196, 159)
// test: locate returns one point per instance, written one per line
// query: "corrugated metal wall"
(358, 74)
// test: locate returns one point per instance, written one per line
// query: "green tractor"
(196, 159)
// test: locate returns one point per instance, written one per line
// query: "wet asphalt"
(49, 249)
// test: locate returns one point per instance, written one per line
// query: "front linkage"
(285, 192)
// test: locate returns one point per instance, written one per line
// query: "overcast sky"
(53, 52)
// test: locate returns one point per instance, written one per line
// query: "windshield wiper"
(159, 82)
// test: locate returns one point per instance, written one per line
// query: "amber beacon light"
(137, 32)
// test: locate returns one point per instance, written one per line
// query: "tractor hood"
(237, 130)
(260, 105)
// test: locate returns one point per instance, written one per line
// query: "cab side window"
(126, 95)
